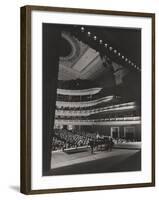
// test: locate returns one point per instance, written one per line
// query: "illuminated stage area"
(123, 160)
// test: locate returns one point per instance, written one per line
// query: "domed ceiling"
(78, 60)
(84, 57)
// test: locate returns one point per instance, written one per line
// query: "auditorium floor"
(118, 160)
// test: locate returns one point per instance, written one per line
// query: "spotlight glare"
(110, 48)
(115, 51)
(82, 29)
(95, 37)
(89, 33)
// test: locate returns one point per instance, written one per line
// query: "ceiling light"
(110, 48)
(115, 51)
(95, 37)
(82, 29)
(89, 33)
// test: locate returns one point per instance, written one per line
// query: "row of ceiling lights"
(101, 42)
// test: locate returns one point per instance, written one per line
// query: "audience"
(64, 139)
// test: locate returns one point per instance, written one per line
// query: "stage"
(118, 160)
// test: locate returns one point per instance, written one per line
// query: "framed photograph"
(87, 99)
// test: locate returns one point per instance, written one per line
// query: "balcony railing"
(108, 121)
(82, 92)
(83, 103)
(119, 107)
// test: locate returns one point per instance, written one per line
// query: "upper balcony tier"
(81, 95)
(115, 108)
(83, 104)
(82, 92)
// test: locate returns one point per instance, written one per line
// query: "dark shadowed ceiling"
(108, 56)
(84, 56)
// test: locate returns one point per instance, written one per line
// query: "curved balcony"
(82, 104)
(90, 91)
(104, 121)
(119, 107)
(82, 95)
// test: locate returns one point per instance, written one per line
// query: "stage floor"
(118, 160)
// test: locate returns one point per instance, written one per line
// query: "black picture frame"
(26, 103)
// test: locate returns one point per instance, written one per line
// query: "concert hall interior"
(95, 118)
